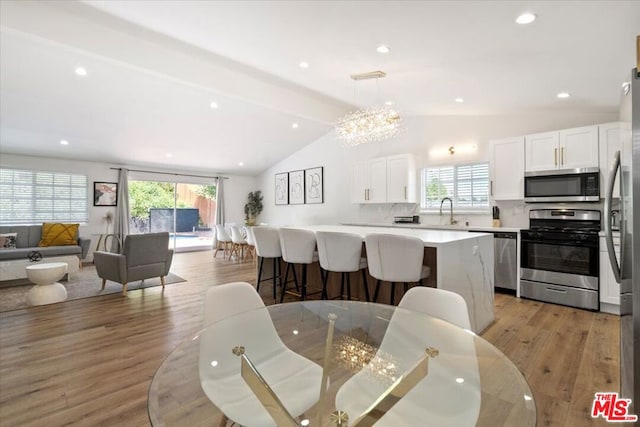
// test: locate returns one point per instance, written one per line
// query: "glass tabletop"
(378, 365)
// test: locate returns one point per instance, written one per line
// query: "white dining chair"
(239, 243)
(298, 247)
(341, 253)
(449, 396)
(395, 259)
(439, 303)
(267, 242)
(295, 379)
(223, 241)
(251, 243)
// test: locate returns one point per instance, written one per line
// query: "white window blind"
(31, 197)
(466, 185)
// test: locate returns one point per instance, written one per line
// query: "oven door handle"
(608, 233)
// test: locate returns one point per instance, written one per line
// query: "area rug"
(83, 284)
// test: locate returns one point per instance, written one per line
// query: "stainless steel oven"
(560, 257)
(567, 185)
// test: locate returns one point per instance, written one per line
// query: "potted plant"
(253, 207)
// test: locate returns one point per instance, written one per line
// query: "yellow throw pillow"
(55, 234)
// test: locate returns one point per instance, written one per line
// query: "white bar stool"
(298, 247)
(341, 253)
(393, 258)
(267, 243)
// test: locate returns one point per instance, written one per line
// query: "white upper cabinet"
(507, 169)
(565, 149)
(384, 180)
(378, 181)
(541, 151)
(359, 182)
(610, 142)
(401, 179)
(579, 148)
(369, 181)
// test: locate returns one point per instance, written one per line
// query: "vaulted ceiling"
(153, 68)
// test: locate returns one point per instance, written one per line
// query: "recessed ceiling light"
(240, 164)
(526, 18)
(294, 125)
(64, 142)
(459, 100)
(168, 155)
(563, 95)
(303, 64)
(214, 105)
(389, 103)
(383, 49)
(81, 71)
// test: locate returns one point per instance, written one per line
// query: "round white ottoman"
(47, 289)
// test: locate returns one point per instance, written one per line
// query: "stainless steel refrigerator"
(627, 268)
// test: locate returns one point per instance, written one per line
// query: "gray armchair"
(143, 256)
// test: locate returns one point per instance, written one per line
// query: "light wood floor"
(89, 362)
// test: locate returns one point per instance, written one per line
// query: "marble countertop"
(456, 227)
(430, 237)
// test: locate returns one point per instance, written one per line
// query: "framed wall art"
(282, 188)
(314, 185)
(296, 187)
(105, 194)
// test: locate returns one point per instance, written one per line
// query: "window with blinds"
(466, 185)
(31, 197)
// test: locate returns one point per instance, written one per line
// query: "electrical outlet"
(518, 210)
(475, 250)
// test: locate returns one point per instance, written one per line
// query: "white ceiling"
(154, 67)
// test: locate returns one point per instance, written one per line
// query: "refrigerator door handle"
(607, 216)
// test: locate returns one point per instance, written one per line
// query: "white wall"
(426, 137)
(236, 187)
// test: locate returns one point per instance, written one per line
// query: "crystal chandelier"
(368, 124)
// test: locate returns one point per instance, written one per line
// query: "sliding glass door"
(186, 211)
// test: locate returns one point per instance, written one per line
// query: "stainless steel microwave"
(565, 185)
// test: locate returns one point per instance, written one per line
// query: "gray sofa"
(27, 241)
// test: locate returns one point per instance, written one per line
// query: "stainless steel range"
(559, 261)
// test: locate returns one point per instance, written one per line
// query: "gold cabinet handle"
(555, 156)
(491, 188)
(562, 156)
(405, 192)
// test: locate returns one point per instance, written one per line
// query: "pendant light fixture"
(376, 123)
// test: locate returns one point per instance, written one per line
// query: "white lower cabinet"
(609, 288)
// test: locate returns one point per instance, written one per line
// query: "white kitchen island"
(463, 264)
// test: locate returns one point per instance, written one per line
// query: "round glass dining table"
(377, 365)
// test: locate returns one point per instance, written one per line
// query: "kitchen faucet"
(451, 220)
